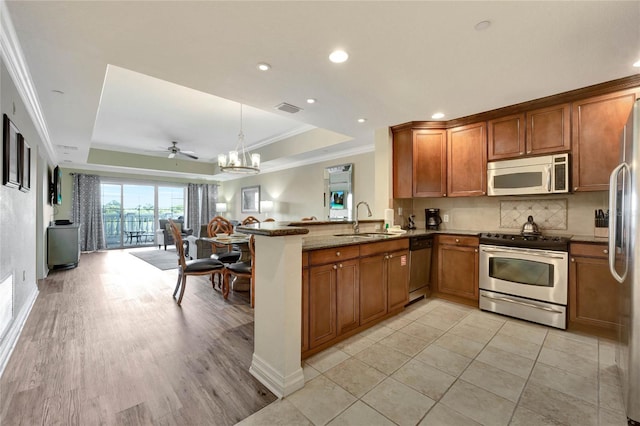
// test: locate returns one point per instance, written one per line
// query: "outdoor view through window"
(131, 212)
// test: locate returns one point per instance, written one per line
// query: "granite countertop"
(315, 242)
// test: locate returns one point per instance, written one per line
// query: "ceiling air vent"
(68, 147)
(292, 109)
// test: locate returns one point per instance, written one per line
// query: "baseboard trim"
(15, 329)
(280, 386)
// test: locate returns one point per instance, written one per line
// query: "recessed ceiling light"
(482, 25)
(437, 115)
(637, 64)
(338, 56)
(263, 66)
(311, 101)
(361, 120)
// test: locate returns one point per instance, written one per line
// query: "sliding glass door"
(131, 211)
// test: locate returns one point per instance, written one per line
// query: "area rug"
(161, 259)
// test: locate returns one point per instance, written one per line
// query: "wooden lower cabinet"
(593, 293)
(373, 288)
(361, 286)
(348, 296)
(322, 304)
(458, 267)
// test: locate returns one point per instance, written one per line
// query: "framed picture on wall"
(10, 153)
(25, 161)
(250, 199)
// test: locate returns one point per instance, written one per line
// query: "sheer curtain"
(87, 211)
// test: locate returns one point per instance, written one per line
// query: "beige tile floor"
(439, 363)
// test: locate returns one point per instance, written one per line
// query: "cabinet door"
(305, 309)
(506, 137)
(348, 296)
(458, 271)
(373, 288)
(597, 128)
(593, 293)
(429, 163)
(467, 160)
(548, 130)
(402, 164)
(322, 304)
(398, 280)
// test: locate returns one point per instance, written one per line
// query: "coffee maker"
(433, 219)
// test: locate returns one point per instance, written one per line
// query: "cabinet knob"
(521, 152)
(340, 265)
(337, 253)
(386, 257)
(605, 251)
(572, 259)
(575, 188)
(457, 240)
(444, 195)
(335, 267)
(390, 256)
(475, 250)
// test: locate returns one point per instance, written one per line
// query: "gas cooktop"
(535, 242)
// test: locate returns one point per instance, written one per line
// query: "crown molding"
(16, 64)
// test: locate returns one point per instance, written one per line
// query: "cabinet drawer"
(384, 247)
(320, 257)
(590, 250)
(458, 240)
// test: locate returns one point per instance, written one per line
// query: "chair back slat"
(249, 220)
(177, 237)
(219, 225)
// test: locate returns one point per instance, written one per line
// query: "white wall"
(299, 192)
(20, 256)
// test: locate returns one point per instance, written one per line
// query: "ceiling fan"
(174, 150)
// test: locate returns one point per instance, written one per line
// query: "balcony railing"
(136, 228)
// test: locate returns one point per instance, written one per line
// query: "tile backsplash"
(562, 214)
(547, 214)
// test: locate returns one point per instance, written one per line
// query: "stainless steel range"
(525, 277)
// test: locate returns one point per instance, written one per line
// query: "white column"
(276, 359)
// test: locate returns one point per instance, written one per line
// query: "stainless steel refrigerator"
(624, 260)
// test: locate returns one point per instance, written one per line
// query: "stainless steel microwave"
(548, 174)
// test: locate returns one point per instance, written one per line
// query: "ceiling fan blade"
(171, 155)
(188, 152)
(185, 153)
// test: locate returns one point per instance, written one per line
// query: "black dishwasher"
(419, 266)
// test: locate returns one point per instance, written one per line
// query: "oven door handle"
(518, 302)
(489, 250)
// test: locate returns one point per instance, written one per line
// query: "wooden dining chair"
(249, 220)
(244, 269)
(216, 227)
(190, 267)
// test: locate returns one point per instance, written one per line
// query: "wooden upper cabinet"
(549, 130)
(540, 131)
(467, 160)
(429, 163)
(506, 137)
(403, 163)
(597, 128)
(419, 163)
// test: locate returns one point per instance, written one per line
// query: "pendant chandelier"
(240, 160)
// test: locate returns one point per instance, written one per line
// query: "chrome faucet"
(356, 226)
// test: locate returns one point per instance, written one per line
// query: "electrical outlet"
(399, 211)
(445, 218)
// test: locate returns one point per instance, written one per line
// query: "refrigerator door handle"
(613, 222)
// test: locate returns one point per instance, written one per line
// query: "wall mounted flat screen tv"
(337, 199)
(56, 186)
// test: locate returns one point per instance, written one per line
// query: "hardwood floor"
(106, 343)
